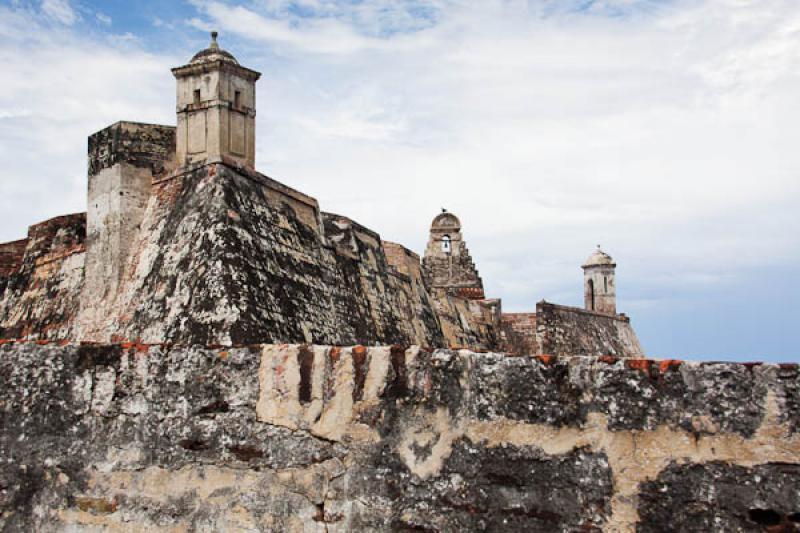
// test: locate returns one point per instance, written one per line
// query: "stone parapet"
(11, 254)
(518, 333)
(150, 146)
(563, 330)
(317, 438)
(40, 297)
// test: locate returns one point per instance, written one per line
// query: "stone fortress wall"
(42, 286)
(133, 437)
(11, 254)
(563, 330)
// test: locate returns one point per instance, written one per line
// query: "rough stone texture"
(313, 438)
(717, 496)
(466, 322)
(562, 330)
(149, 146)
(392, 299)
(788, 375)
(226, 258)
(11, 254)
(41, 297)
(518, 333)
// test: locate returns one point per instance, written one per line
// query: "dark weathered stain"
(305, 360)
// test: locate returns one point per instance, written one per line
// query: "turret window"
(237, 97)
(197, 96)
(446, 244)
(591, 295)
(605, 284)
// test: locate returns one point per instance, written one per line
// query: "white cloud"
(58, 88)
(102, 18)
(60, 11)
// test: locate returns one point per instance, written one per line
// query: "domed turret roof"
(445, 221)
(213, 53)
(599, 258)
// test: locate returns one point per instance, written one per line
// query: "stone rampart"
(132, 437)
(214, 252)
(224, 257)
(149, 146)
(41, 297)
(518, 333)
(11, 254)
(563, 330)
(217, 254)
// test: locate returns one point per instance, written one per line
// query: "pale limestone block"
(375, 382)
(338, 414)
(279, 381)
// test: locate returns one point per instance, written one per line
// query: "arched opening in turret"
(605, 284)
(591, 295)
(446, 244)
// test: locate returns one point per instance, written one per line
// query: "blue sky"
(664, 130)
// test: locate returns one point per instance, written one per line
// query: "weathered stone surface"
(313, 438)
(149, 146)
(517, 333)
(226, 259)
(718, 496)
(11, 254)
(788, 393)
(527, 390)
(466, 322)
(124, 159)
(41, 297)
(485, 488)
(562, 330)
